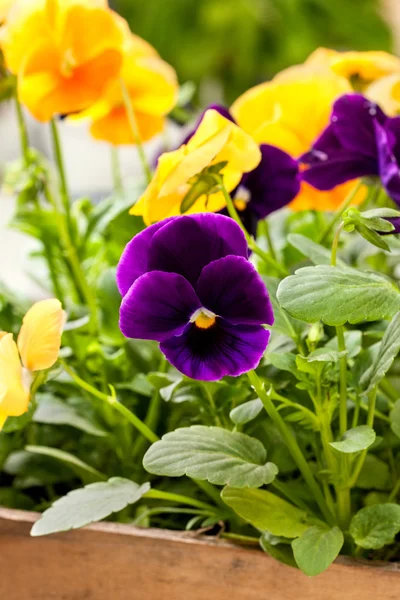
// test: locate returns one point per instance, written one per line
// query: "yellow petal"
(366, 65)
(14, 394)
(385, 92)
(40, 336)
(3, 419)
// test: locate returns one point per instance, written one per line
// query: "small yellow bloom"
(37, 347)
(216, 140)
(152, 87)
(63, 51)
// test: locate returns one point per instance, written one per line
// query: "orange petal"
(14, 395)
(114, 128)
(40, 335)
(310, 198)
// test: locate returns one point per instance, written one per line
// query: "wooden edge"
(129, 531)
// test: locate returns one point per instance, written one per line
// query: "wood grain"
(109, 561)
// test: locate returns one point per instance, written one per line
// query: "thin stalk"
(337, 215)
(251, 242)
(267, 234)
(335, 244)
(178, 498)
(370, 422)
(23, 133)
(211, 402)
(113, 402)
(342, 381)
(64, 193)
(292, 445)
(243, 539)
(116, 171)
(395, 492)
(135, 130)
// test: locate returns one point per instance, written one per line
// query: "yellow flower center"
(242, 198)
(203, 318)
(240, 205)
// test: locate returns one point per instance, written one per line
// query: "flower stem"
(342, 381)
(335, 244)
(344, 206)
(23, 133)
(251, 242)
(135, 130)
(370, 422)
(65, 198)
(116, 171)
(292, 445)
(179, 498)
(114, 403)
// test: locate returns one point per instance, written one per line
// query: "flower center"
(203, 318)
(68, 64)
(242, 198)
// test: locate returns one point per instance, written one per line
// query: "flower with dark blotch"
(186, 282)
(269, 187)
(360, 141)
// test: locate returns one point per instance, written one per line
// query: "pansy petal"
(222, 110)
(14, 395)
(388, 166)
(338, 168)
(40, 335)
(274, 183)
(134, 260)
(352, 118)
(231, 288)
(188, 244)
(210, 354)
(157, 306)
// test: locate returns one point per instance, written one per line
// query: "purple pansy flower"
(187, 283)
(360, 141)
(271, 186)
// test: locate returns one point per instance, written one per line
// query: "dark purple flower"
(360, 141)
(186, 282)
(271, 186)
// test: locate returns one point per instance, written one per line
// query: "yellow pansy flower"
(366, 66)
(152, 87)
(36, 349)
(63, 52)
(216, 140)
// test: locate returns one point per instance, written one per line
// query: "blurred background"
(227, 46)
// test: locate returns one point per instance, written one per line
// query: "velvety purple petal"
(133, 262)
(157, 306)
(210, 354)
(189, 243)
(392, 128)
(274, 183)
(219, 108)
(352, 119)
(231, 288)
(338, 168)
(389, 170)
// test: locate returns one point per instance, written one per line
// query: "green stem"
(135, 130)
(395, 492)
(269, 260)
(335, 244)
(116, 171)
(65, 198)
(337, 215)
(243, 539)
(370, 422)
(342, 381)
(179, 498)
(267, 234)
(23, 133)
(114, 403)
(292, 445)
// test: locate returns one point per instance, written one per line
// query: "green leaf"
(17, 423)
(246, 412)
(337, 295)
(316, 549)
(355, 440)
(283, 322)
(284, 361)
(324, 355)
(266, 511)
(375, 526)
(80, 468)
(375, 474)
(86, 505)
(218, 455)
(353, 341)
(395, 418)
(317, 253)
(53, 411)
(280, 551)
(388, 350)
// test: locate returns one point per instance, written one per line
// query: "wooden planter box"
(109, 561)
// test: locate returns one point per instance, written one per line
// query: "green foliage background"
(238, 43)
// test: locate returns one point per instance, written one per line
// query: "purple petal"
(339, 168)
(353, 118)
(210, 354)
(274, 183)
(157, 306)
(388, 166)
(189, 243)
(133, 262)
(231, 288)
(219, 108)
